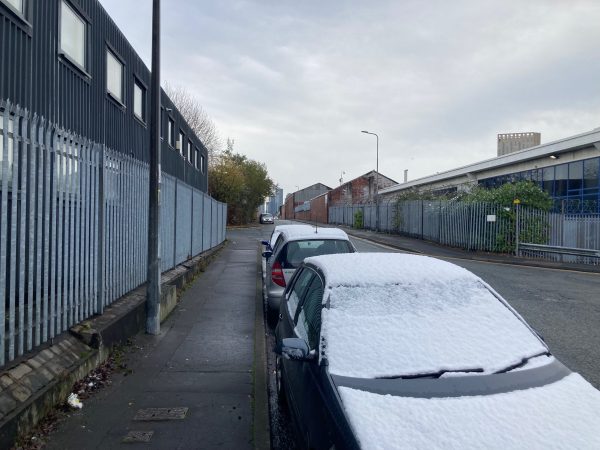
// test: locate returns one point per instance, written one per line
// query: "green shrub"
(358, 219)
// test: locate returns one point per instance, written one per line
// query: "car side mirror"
(296, 349)
(267, 254)
(266, 243)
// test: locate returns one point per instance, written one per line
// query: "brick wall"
(318, 211)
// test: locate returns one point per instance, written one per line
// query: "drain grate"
(149, 414)
(138, 436)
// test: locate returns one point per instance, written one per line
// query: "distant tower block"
(513, 142)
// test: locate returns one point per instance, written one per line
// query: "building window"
(180, 143)
(72, 34)
(189, 151)
(139, 101)
(196, 158)
(171, 132)
(575, 182)
(17, 4)
(561, 178)
(548, 180)
(202, 163)
(9, 136)
(590, 174)
(114, 76)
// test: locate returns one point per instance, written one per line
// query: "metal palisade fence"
(477, 226)
(73, 228)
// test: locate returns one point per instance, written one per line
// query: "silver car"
(291, 247)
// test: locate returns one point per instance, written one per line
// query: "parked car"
(406, 351)
(291, 247)
(279, 228)
(266, 218)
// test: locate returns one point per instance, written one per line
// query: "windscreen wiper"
(523, 362)
(430, 374)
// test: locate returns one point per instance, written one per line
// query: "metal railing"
(525, 248)
(479, 226)
(73, 228)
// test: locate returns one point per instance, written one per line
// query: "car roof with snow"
(302, 233)
(287, 226)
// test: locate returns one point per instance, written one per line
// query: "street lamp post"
(376, 181)
(153, 274)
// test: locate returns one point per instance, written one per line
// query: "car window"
(302, 280)
(277, 243)
(274, 235)
(295, 251)
(308, 320)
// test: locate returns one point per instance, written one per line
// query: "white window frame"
(202, 163)
(20, 9)
(181, 143)
(137, 86)
(9, 134)
(196, 157)
(110, 54)
(66, 6)
(171, 132)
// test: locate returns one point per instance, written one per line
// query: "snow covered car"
(291, 247)
(279, 228)
(406, 351)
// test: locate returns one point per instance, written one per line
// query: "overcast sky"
(294, 82)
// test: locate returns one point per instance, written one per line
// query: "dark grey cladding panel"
(35, 75)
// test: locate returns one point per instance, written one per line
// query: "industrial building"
(67, 61)
(568, 169)
(360, 190)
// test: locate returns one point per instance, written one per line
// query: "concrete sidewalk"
(200, 370)
(433, 249)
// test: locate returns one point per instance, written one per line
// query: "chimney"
(405, 175)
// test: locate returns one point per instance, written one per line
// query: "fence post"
(192, 225)
(422, 219)
(100, 231)
(175, 225)
(518, 228)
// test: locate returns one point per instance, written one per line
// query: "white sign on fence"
(491, 218)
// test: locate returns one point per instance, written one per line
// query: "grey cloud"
(294, 82)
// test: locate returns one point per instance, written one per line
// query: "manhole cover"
(161, 414)
(138, 436)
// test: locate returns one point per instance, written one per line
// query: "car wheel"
(279, 382)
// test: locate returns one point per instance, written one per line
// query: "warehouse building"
(568, 169)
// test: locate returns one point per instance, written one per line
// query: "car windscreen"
(295, 251)
(412, 329)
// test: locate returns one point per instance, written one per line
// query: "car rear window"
(294, 252)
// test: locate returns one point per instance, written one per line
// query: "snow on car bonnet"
(561, 415)
(391, 315)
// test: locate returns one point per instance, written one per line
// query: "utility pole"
(153, 285)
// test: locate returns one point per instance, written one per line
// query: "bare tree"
(197, 119)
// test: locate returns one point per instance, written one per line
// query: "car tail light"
(277, 274)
